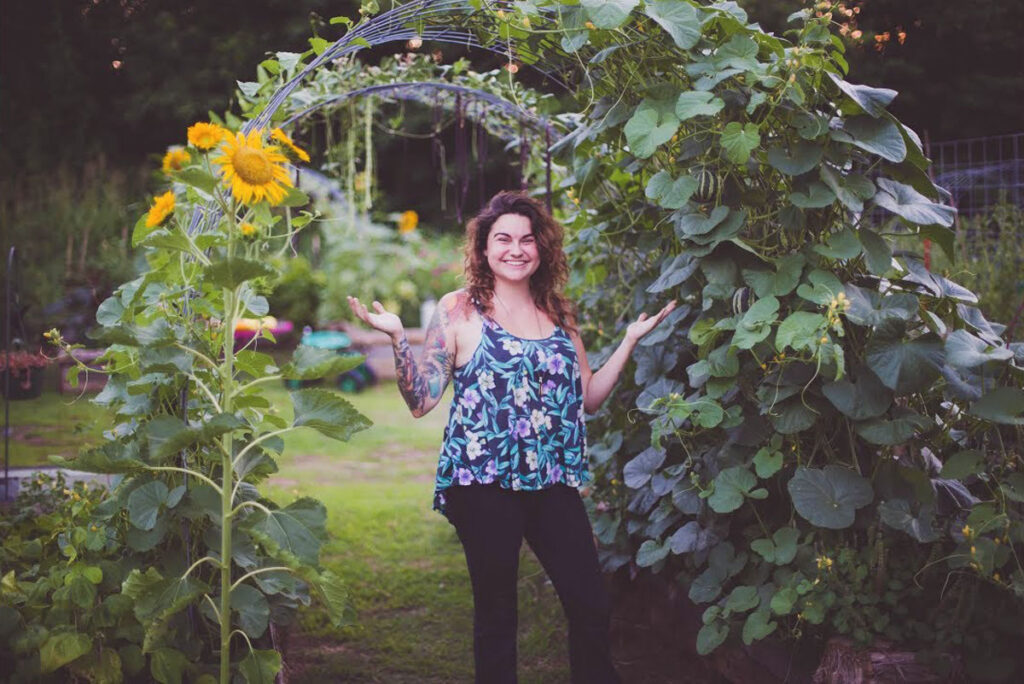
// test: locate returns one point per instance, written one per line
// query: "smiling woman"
(514, 449)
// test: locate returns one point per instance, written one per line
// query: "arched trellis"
(418, 90)
(420, 20)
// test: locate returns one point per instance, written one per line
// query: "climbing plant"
(824, 438)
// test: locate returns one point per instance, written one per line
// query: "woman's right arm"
(421, 383)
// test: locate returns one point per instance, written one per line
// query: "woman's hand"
(644, 324)
(381, 320)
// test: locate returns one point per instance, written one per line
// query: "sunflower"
(206, 136)
(408, 221)
(163, 206)
(175, 159)
(290, 148)
(248, 231)
(253, 170)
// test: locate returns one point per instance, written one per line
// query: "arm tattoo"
(423, 383)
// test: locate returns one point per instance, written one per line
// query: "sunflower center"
(253, 166)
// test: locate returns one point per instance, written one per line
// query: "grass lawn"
(53, 424)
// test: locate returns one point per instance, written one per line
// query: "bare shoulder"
(458, 308)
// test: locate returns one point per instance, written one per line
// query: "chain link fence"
(980, 172)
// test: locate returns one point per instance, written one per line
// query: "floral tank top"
(516, 417)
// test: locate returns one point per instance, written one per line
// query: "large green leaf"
(691, 538)
(899, 429)
(877, 253)
(668, 192)
(62, 648)
(675, 272)
(781, 548)
(732, 486)
(608, 14)
(335, 597)
(860, 397)
(169, 435)
(840, 245)
(328, 413)
(697, 102)
(311, 363)
(741, 599)
(696, 223)
(711, 636)
(872, 100)
(829, 497)
(814, 196)
(896, 514)
(230, 273)
(778, 282)
(144, 504)
(679, 19)
(651, 552)
(756, 323)
(852, 189)
(792, 416)
(907, 202)
(879, 136)
(904, 364)
(868, 307)
(641, 467)
(297, 529)
(739, 140)
(112, 458)
(156, 598)
(1003, 405)
(653, 123)
(252, 608)
(167, 665)
(821, 288)
(757, 626)
(967, 351)
(800, 330)
(260, 666)
(796, 159)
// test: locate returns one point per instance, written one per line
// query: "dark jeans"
(491, 523)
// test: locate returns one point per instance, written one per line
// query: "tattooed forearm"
(423, 383)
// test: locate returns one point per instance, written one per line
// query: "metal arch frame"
(390, 26)
(539, 122)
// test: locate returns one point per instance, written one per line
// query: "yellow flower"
(967, 531)
(163, 206)
(290, 148)
(590, 25)
(248, 230)
(175, 159)
(824, 562)
(253, 170)
(206, 136)
(408, 221)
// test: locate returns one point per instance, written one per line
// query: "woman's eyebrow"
(508, 235)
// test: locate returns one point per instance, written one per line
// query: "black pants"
(491, 523)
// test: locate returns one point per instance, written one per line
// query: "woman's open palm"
(645, 324)
(382, 320)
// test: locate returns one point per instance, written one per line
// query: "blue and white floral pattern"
(517, 417)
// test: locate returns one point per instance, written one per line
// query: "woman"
(514, 448)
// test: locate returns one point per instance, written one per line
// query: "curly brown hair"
(548, 280)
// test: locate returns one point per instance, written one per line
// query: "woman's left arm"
(598, 385)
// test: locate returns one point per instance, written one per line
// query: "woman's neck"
(515, 297)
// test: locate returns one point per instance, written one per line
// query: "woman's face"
(511, 250)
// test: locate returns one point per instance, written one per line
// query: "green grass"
(402, 561)
(53, 424)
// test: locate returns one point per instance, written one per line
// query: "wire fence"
(980, 172)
